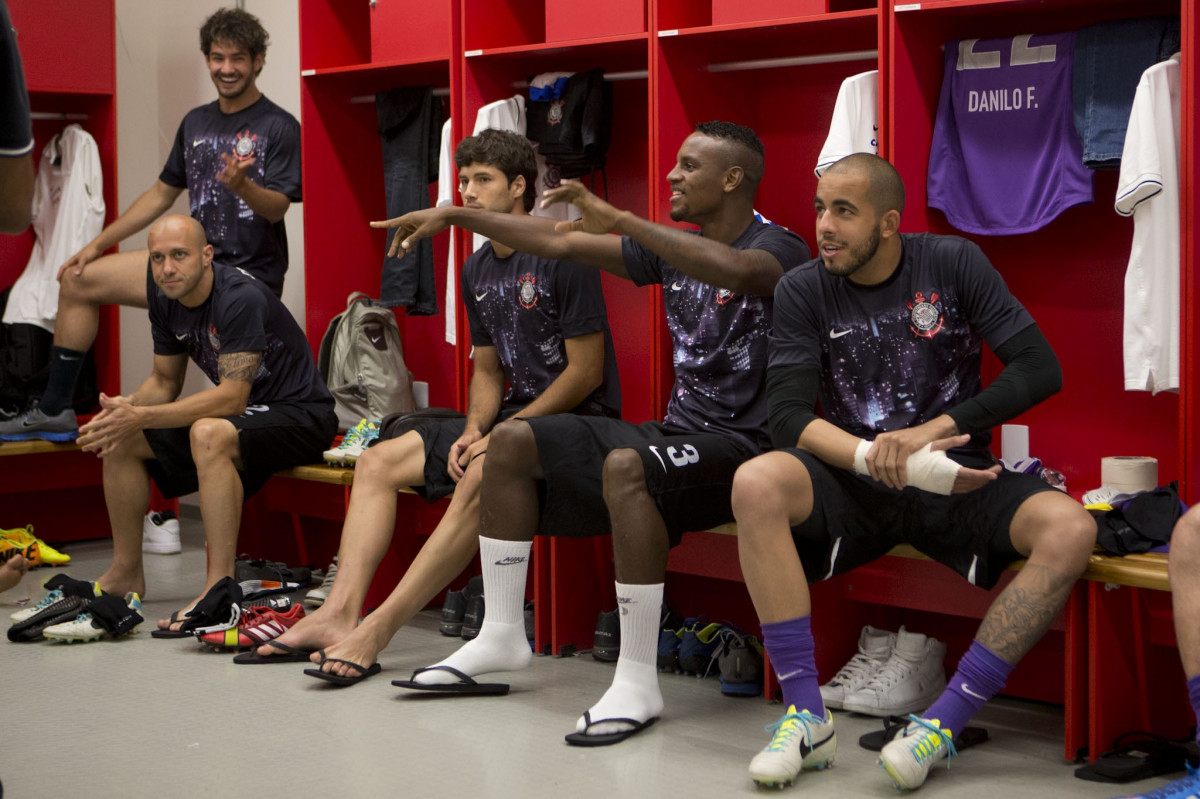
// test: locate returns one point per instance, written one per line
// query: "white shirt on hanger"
(1148, 190)
(854, 127)
(68, 209)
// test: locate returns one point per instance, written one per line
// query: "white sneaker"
(160, 533)
(84, 627)
(907, 683)
(799, 741)
(354, 443)
(318, 595)
(874, 648)
(909, 757)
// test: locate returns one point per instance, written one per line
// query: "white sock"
(634, 693)
(501, 644)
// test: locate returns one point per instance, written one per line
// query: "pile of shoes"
(259, 578)
(75, 610)
(693, 646)
(462, 612)
(258, 622)
(354, 443)
(892, 674)
(21, 541)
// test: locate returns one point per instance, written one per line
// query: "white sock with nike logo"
(634, 693)
(501, 644)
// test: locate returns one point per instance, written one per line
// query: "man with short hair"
(540, 327)
(267, 410)
(239, 159)
(886, 330)
(647, 484)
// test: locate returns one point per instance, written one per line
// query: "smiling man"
(268, 410)
(647, 484)
(886, 331)
(239, 159)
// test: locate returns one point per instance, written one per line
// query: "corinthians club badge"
(528, 294)
(925, 317)
(243, 148)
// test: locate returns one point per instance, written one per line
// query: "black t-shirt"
(525, 307)
(16, 130)
(271, 136)
(901, 353)
(720, 338)
(240, 315)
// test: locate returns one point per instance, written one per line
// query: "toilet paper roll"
(1129, 473)
(1014, 443)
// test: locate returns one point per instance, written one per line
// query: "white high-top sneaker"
(874, 648)
(907, 683)
(160, 533)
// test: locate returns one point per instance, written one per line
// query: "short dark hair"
(885, 188)
(509, 152)
(239, 28)
(755, 164)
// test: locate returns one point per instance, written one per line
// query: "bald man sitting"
(267, 410)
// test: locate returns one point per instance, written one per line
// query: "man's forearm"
(528, 234)
(267, 203)
(484, 397)
(571, 387)
(210, 403)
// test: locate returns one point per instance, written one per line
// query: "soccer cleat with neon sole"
(799, 741)
(910, 756)
(45, 554)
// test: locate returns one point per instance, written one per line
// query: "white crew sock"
(634, 693)
(501, 644)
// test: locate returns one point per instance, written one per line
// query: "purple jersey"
(1005, 156)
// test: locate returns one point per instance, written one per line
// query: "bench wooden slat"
(36, 446)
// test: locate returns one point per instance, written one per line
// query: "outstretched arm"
(528, 234)
(152, 204)
(742, 271)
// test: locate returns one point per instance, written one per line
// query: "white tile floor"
(149, 718)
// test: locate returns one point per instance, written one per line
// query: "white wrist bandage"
(931, 471)
(860, 456)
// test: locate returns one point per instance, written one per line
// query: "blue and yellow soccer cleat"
(910, 756)
(799, 741)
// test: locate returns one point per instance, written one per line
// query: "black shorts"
(438, 436)
(855, 520)
(688, 474)
(270, 438)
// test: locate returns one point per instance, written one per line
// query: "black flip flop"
(339, 679)
(168, 632)
(291, 655)
(466, 685)
(608, 738)
(894, 725)
(1136, 756)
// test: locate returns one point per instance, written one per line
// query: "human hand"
(412, 227)
(117, 420)
(598, 215)
(78, 261)
(470, 444)
(233, 176)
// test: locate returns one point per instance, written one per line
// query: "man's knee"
(213, 439)
(512, 446)
(759, 490)
(1062, 531)
(1184, 558)
(387, 462)
(623, 475)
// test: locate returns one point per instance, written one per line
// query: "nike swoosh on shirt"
(197, 142)
(676, 286)
(181, 336)
(839, 333)
(479, 297)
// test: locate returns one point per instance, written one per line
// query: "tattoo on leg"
(1024, 611)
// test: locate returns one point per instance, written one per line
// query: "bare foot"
(12, 571)
(360, 646)
(120, 583)
(179, 616)
(320, 629)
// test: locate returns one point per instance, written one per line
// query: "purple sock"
(981, 675)
(1193, 685)
(793, 656)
